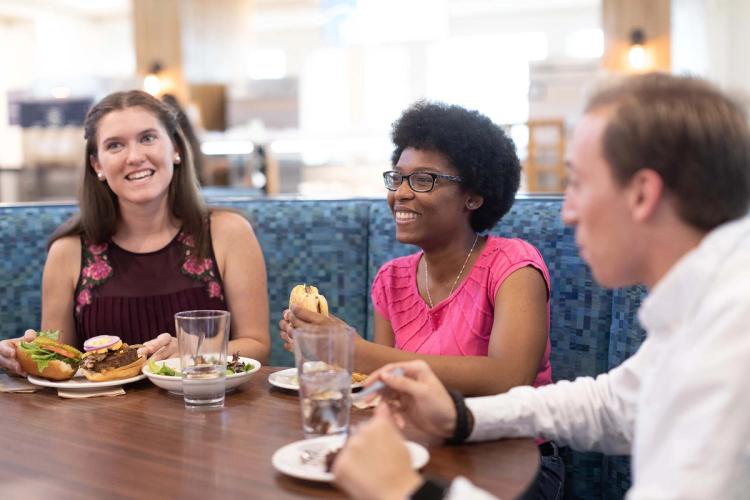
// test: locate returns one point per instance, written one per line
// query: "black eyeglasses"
(419, 182)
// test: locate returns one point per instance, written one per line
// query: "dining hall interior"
(297, 97)
(296, 115)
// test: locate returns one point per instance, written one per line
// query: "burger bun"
(123, 372)
(308, 297)
(55, 370)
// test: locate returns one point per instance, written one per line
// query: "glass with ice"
(324, 355)
(203, 337)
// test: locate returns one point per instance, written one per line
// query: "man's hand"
(418, 396)
(375, 463)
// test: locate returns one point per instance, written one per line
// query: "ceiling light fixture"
(152, 82)
(637, 56)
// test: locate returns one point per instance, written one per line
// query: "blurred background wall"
(298, 96)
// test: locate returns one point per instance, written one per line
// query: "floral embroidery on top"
(96, 270)
(199, 269)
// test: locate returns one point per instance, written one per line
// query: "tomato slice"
(59, 350)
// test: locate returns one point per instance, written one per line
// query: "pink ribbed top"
(461, 324)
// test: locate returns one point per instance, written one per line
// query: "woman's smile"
(140, 175)
(405, 216)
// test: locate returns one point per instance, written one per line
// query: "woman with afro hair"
(475, 307)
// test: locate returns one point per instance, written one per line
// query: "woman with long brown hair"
(144, 245)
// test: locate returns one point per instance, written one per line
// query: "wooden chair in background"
(544, 166)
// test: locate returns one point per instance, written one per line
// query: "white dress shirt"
(680, 405)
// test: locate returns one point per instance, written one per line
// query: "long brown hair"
(99, 209)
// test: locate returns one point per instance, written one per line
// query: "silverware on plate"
(376, 386)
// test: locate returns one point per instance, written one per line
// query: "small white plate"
(287, 379)
(79, 382)
(174, 384)
(287, 459)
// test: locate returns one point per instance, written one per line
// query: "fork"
(376, 386)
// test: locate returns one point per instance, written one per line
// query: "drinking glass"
(324, 356)
(202, 337)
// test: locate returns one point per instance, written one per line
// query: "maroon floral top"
(135, 295)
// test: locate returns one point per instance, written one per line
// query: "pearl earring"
(100, 175)
(177, 159)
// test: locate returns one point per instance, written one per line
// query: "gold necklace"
(427, 273)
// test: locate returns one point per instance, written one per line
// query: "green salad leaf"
(163, 370)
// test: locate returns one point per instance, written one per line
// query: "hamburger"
(109, 358)
(47, 358)
(307, 297)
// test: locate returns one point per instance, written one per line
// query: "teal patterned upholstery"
(626, 335)
(322, 243)
(24, 230)
(338, 245)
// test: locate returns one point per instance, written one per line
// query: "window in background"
(585, 44)
(487, 73)
(385, 21)
(266, 64)
(325, 99)
(386, 83)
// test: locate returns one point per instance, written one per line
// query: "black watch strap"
(463, 419)
(431, 489)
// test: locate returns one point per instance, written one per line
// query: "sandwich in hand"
(307, 297)
(46, 357)
(109, 358)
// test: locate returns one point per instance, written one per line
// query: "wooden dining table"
(145, 444)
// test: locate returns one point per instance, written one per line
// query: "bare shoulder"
(65, 250)
(228, 224)
(64, 259)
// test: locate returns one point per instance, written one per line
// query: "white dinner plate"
(79, 382)
(287, 379)
(288, 459)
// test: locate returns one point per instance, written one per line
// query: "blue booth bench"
(339, 245)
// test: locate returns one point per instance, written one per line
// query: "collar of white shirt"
(681, 290)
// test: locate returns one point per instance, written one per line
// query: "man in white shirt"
(658, 192)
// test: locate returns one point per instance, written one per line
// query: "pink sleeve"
(378, 293)
(518, 254)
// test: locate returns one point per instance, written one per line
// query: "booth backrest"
(338, 245)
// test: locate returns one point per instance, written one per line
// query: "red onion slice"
(100, 342)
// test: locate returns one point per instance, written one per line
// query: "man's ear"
(646, 193)
(474, 201)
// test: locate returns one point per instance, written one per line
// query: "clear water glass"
(324, 357)
(203, 337)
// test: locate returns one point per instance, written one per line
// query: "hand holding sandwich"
(8, 360)
(306, 307)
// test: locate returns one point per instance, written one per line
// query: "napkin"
(91, 393)
(16, 384)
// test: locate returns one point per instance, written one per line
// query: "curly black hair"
(484, 156)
